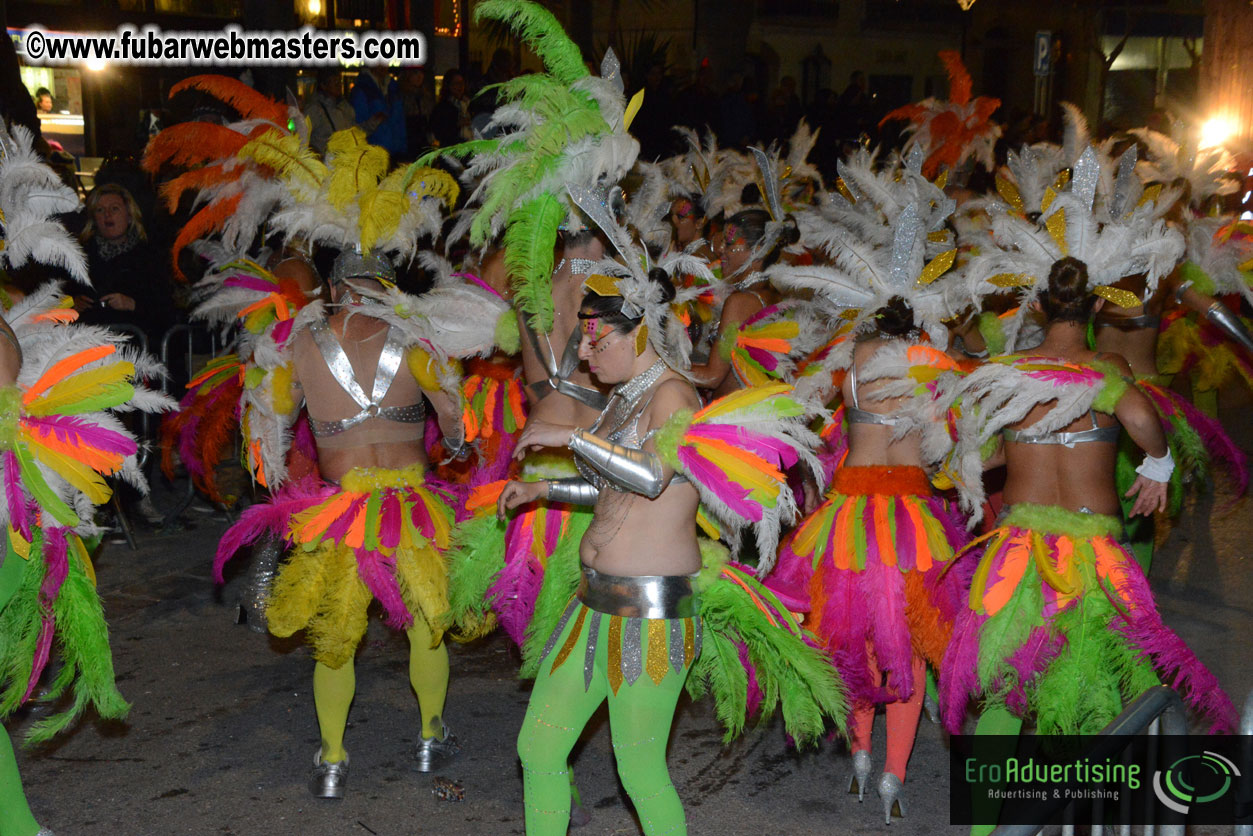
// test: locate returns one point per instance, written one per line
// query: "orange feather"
(191, 143)
(64, 368)
(249, 103)
(207, 220)
(959, 84)
(198, 178)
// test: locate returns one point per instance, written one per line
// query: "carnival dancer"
(645, 615)
(62, 385)
(374, 525)
(871, 557)
(1061, 624)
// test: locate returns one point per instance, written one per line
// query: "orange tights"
(902, 721)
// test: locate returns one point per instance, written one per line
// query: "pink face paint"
(684, 209)
(595, 330)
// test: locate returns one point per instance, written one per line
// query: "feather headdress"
(1168, 162)
(234, 181)
(557, 128)
(352, 202)
(628, 278)
(1115, 238)
(951, 131)
(31, 194)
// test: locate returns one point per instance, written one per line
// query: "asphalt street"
(222, 732)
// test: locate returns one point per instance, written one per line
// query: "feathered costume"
(60, 439)
(1060, 621)
(952, 131)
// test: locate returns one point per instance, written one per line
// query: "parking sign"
(1043, 60)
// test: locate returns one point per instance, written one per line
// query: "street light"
(314, 7)
(1216, 131)
(95, 64)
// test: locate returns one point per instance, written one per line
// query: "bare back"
(376, 441)
(871, 445)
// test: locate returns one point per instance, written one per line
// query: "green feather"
(475, 560)
(670, 435)
(537, 27)
(1009, 629)
(529, 256)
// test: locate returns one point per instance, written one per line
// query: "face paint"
(595, 330)
(733, 239)
(684, 209)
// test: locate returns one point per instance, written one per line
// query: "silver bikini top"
(1070, 439)
(855, 414)
(340, 367)
(559, 371)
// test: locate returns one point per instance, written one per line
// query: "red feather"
(249, 103)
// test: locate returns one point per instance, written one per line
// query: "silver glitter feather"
(1087, 173)
(770, 179)
(908, 229)
(1124, 182)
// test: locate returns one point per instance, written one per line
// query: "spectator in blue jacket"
(380, 109)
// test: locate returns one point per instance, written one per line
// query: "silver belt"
(639, 596)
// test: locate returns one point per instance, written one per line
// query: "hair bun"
(662, 279)
(1067, 297)
(791, 233)
(896, 318)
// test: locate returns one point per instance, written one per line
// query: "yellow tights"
(333, 689)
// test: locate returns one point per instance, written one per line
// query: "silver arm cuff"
(1229, 324)
(458, 451)
(575, 491)
(625, 468)
(1179, 291)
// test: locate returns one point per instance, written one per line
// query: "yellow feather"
(1121, 298)
(423, 182)
(79, 475)
(346, 140)
(112, 380)
(297, 591)
(1057, 228)
(743, 399)
(937, 267)
(341, 619)
(1009, 192)
(381, 211)
(291, 160)
(424, 585)
(354, 172)
(281, 390)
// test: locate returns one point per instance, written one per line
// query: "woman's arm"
(738, 307)
(1135, 412)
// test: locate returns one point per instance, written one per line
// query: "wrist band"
(1157, 469)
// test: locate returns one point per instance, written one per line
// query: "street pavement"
(222, 732)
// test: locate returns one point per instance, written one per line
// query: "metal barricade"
(1244, 802)
(1158, 711)
(139, 339)
(180, 341)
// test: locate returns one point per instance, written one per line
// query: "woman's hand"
(1150, 496)
(118, 301)
(537, 435)
(519, 493)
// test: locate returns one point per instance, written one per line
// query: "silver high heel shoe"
(328, 780)
(861, 775)
(890, 790)
(434, 752)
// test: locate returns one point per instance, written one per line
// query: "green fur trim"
(726, 340)
(670, 434)
(1050, 519)
(992, 329)
(1190, 271)
(1112, 388)
(529, 242)
(539, 466)
(713, 556)
(561, 581)
(475, 560)
(507, 336)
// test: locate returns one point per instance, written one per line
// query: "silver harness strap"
(559, 372)
(856, 415)
(340, 367)
(1131, 323)
(1070, 439)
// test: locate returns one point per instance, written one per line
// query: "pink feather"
(378, 573)
(19, 511)
(884, 587)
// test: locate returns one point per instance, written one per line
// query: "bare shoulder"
(672, 395)
(1117, 361)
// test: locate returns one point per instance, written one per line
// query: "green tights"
(999, 720)
(640, 716)
(15, 816)
(333, 689)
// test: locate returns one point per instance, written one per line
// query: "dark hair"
(609, 308)
(1067, 298)
(750, 194)
(896, 318)
(752, 224)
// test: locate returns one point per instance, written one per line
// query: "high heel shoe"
(890, 791)
(861, 775)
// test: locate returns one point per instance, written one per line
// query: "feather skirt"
(1192, 345)
(871, 560)
(1061, 623)
(380, 535)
